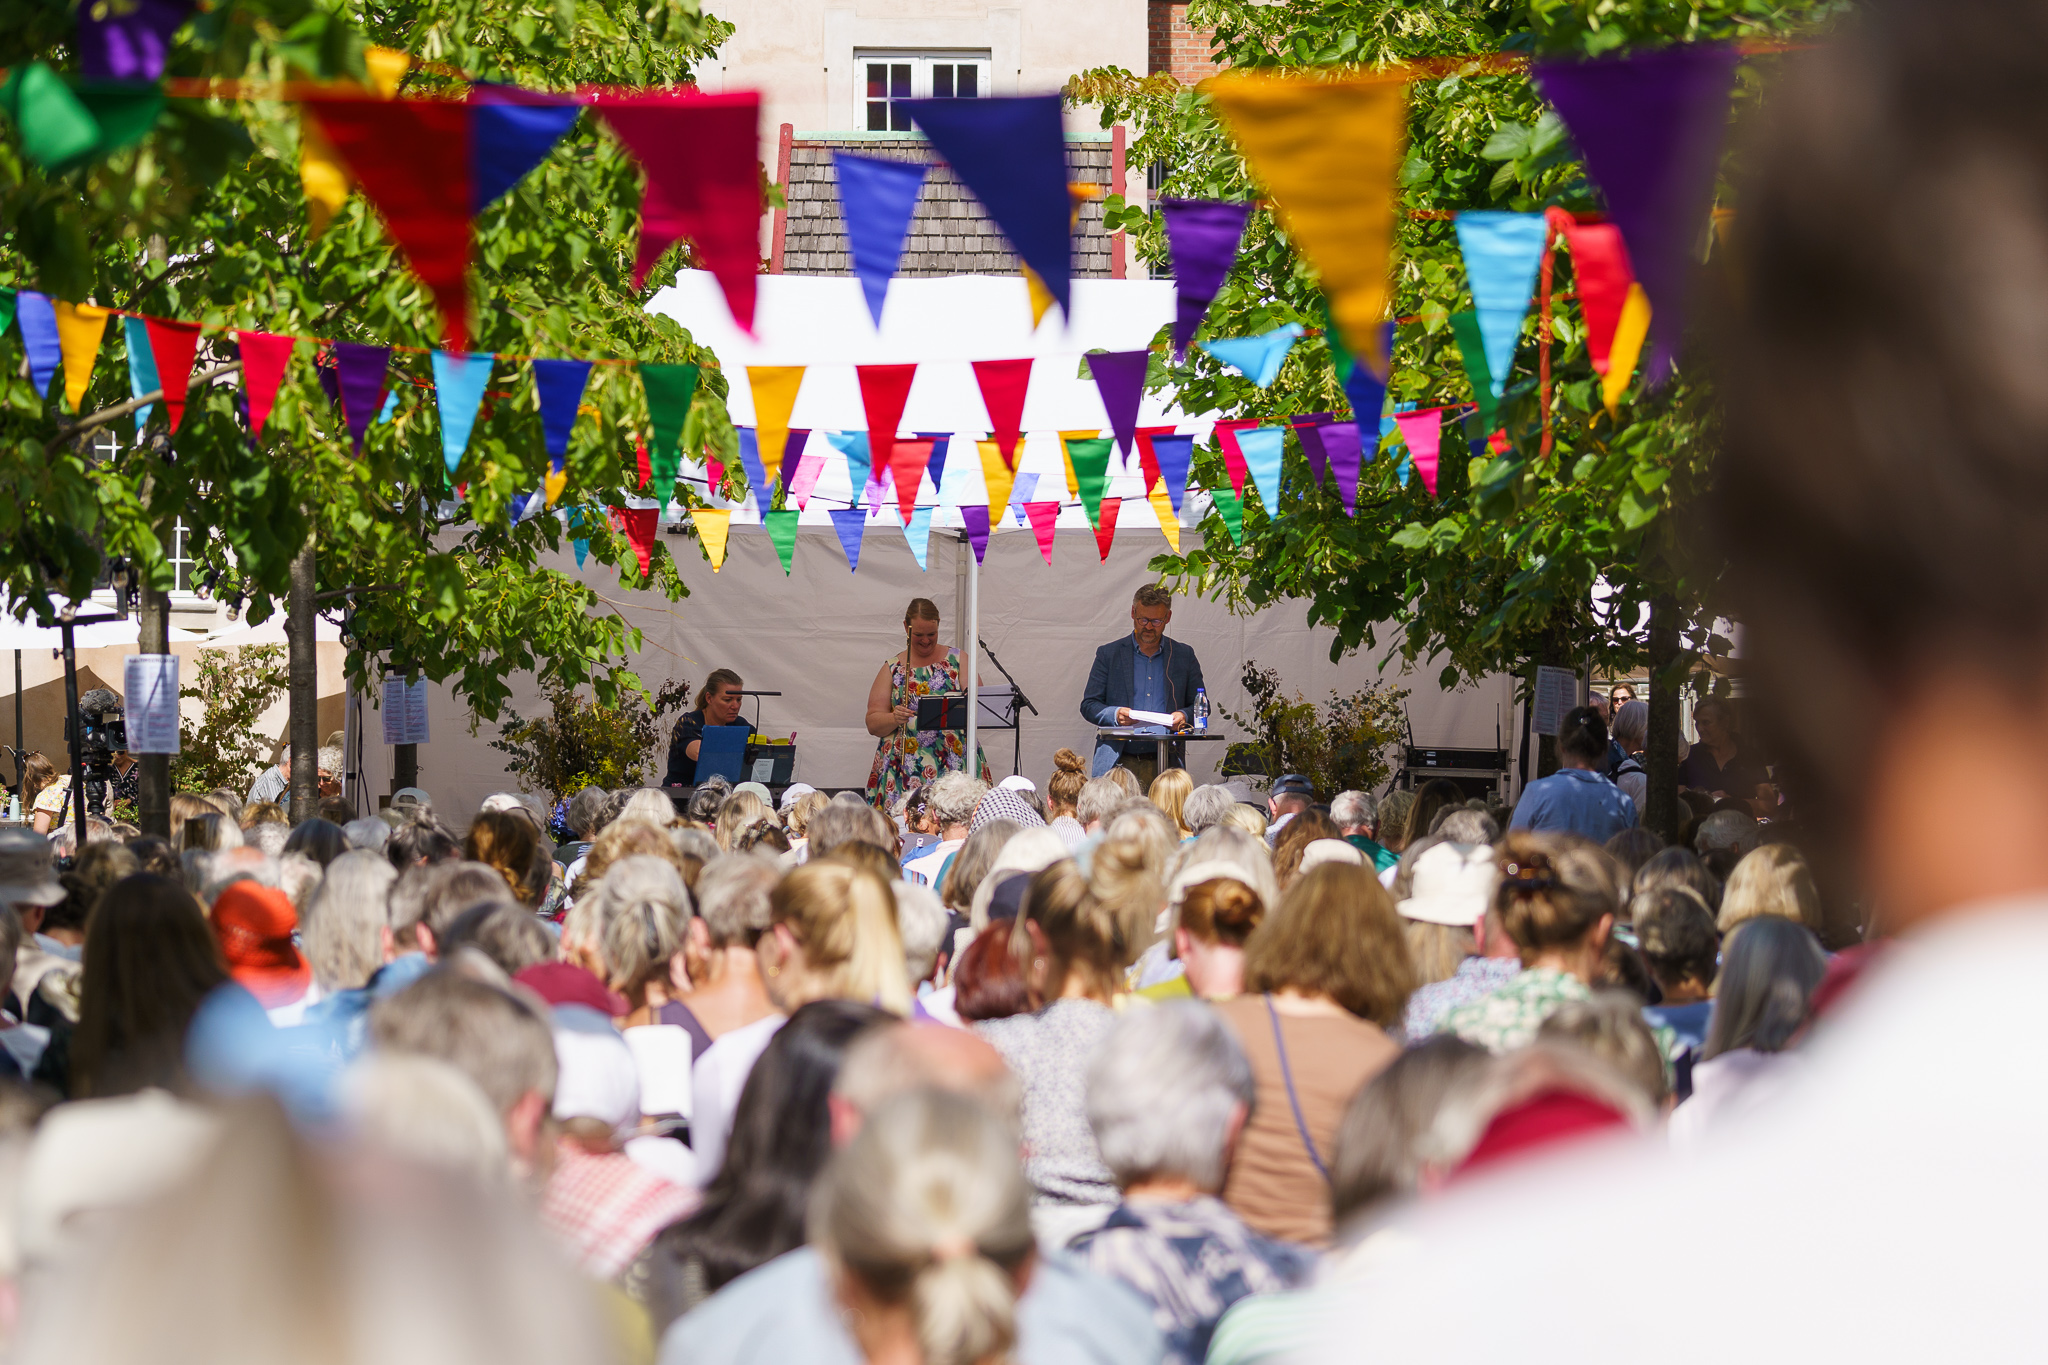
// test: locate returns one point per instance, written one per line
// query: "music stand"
(1001, 709)
(942, 713)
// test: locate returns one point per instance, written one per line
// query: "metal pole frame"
(973, 646)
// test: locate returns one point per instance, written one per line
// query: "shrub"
(580, 744)
(1345, 745)
(224, 749)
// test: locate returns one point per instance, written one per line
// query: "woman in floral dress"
(907, 759)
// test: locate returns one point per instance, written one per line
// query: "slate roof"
(949, 236)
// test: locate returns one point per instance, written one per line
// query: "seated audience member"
(726, 991)
(1302, 829)
(585, 817)
(1556, 901)
(989, 981)
(1326, 974)
(491, 1035)
(419, 838)
(1678, 867)
(426, 900)
(1357, 816)
(1205, 807)
(951, 800)
(423, 1110)
(1466, 824)
(367, 833)
(346, 928)
(1168, 1095)
(1126, 782)
(1724, 838)
(1214, 915)
(1170, 791)
(1420, 810)
(1289, 796)
(1632, 848)
(257, 929)
(847, 822)
(1683, 953)
(318, 839)
(753, 1208)
(786, 1310)
(1451, 887)
(1610, 1026)
(1393, 813)
(1536, 1099)
(1031, 851)
(738, 813)
(1099, 800)
(1247, 818)
(922, 924)
(971, 865)
(1769, 968)
(504, 841)
(1577, 798)
(1073, 951)
(1063, 797)
(1771, 880)
(796, 819)
(1496, 960)
(508, 934)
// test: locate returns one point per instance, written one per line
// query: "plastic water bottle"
(1201, 710)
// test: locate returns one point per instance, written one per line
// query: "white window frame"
(922, 62)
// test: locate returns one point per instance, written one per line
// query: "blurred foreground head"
(1883, 496)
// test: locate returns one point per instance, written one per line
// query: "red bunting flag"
(173, 344)
(1105, 526)
(1233, 457)
(907, 460)
(883, 391)
(1044, 516)
(639, 524)
(1003, 386)
(1148, 459)
(644, 465)
(701, 154)
(412, 157)
(264, 358)
(1600, 263)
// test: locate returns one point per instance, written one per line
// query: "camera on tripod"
(100, 733)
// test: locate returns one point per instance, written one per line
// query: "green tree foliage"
(579, 744)
(1502, 566)
(206, 220)
(235, 686)
(1344, 745)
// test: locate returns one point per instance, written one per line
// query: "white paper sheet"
(1151, 717)
(150, 688)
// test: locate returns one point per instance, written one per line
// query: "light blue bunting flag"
(1503, 252)
(459, 382)
(141, 367)
(1262, 447)
(918, 531)
(1020, 493)
(854, 446)
(1259, 357)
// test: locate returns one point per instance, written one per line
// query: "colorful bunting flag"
(1259, 358)
(511, 132)
(1629, 332)
(1162, 507)
(1011, 153)
(62, 126)
(38, 319)
(906, 467)
(323, 177)
(80, 329)
(1503, 252)
(1105, 527)
(6, 308)
(996, 476)
(1201, 237)
(459, 382)
(1090, 459)
(1003, 384)
(264, 358)
(808, 467)
(1044, 518)
(1231, 508)
(1423, 431)
(1472, 350)
(558, 389)
(942, 441)
(412, 157)
(127, 42)
(1340, 441)
(141, 367)
(1148, 461)
(775, 389)
(1233, 456)
(640, 525)
(359, 377)
(782, 530)
(701, 154)
(883, 391)
(850, 522)
(974, 517)
(1601, 272)
(1174, 453)
(1263, 448)
(1651, 124)
(1067, 457)
(750, 460)
(877, 200)
(1327, 152)
(1366, 390)
(1020, 494)
(859, 473)
(670, 391)
(714, 525)
(1120, 380)
(173, 344)
(1308, 429)
(917, 530)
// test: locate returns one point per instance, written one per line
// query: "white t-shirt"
(923, 870)
(716, 1079)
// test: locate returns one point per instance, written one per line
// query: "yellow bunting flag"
(1041, 297)
(998, 476)
(1626, 346)
(1327, 152)
(1073, 479)
(713, 526)
(554, 481)
(80, 326)
(323, 177)
(1169, 520)
(775, 389)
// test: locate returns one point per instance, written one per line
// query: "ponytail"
(844, 919)
(964, 1308)
(641, 938)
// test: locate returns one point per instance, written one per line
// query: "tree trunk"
(153, 782)
(1667, 676)
(305, 690)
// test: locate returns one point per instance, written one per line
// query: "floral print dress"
(907, 759)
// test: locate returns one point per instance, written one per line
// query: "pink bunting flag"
(1003, 386)
(264, 358)
(808, 468)
(1423, 431)
(1044, 516)
(1105, 526)
(1233, 457)
(701, 154)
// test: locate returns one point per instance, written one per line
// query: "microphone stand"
(1017, 700)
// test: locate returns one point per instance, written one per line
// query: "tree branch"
(94, 421)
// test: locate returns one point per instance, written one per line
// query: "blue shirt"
(1148, 687)
(1575, 801)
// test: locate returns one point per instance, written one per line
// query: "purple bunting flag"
(975, 517)
(1120, 379)
(130, 42)
(1340, 440)
(1308, 428)
(1202, 237)
(359, 378)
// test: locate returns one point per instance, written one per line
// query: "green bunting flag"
(62, 126)
(782, 530)
(6, 309)
(1465, 327)
(1090, 455)
(1232, 511)
(669, 391)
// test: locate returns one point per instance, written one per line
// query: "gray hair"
(331, 760)
(222, 869)
(954, 797)
(1632, 725)
(1100, 798)
(1726, 829)
(270, 836)
(732, 898)
(1206, 806)
(696, 843)
(1162, 1091)
(586, 811)
(1463, 825)
(639, 880)
(1351, 809)
(367, 833)
(848, 822)
(433, 894)
(344, 922)
(921, 923)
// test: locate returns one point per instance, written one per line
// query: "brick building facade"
(1174, 47)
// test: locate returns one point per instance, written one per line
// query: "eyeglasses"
(1150, 620)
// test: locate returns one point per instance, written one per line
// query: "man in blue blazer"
(1144, 671)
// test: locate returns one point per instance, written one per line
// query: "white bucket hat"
(1454, 885)
(28, 874)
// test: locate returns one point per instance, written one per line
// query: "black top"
(682, 769)
(1739, 778)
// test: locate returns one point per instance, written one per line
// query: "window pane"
(878, 80)
(899, 119)
(942, 82)
(878, 116)
(967, 83)
(899, 80)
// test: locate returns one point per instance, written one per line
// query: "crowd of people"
(1086, 1073)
